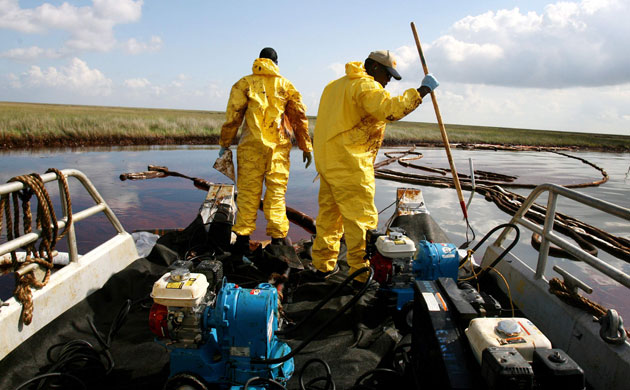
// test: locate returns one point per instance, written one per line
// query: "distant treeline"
(26, 125)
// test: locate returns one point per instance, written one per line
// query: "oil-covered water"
(173, 202)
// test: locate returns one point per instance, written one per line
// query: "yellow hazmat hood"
(265, 67)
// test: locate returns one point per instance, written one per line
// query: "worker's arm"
(381, 105)
(234, 113)
(296, 113)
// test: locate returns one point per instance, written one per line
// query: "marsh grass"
(24, 125)
(399, 132)
(44, 124)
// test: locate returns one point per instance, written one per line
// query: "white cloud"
(405, 57)
(133, 46)
(338, 68)
(90, 28)
(136, 83)
(570, 44)
(29, 53)
(121, 11)
(14, 81)
(15, 18)
(157, 91)
(593, 109)
(457, 52)
(143, 88)
(562, 15)
(499, 21)
(77, 76)
(214, 91)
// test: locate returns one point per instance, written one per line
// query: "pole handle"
(447, 146)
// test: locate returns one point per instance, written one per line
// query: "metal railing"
(29, 238)
(549, 236)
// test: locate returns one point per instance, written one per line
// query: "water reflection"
(173, 202)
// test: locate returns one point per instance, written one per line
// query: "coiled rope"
(46, 220)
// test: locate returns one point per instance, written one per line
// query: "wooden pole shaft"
(447, 146)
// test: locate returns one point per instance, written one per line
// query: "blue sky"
(526, 64)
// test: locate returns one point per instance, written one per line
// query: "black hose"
(78, 359)
(505, 252)
(319, 330)
(403, 350)
(359, 385)
(118, 322)
(330, 384)
(321, 303)
(50, 375)
(263, 380)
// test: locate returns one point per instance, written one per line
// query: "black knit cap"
(270, 53)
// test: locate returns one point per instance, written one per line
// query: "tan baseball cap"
(386, 58)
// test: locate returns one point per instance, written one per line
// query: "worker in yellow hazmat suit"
(353, 112)
(263, 99)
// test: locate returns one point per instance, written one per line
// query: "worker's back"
(343, 126)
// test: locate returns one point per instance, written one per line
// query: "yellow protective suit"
(353, 111)
(262, 99)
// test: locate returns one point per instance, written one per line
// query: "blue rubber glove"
(222, 150)
(430, 82)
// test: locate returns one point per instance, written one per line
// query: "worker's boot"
(286, 241)
(240, 248)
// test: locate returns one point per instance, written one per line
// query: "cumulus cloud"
(76, 76)
(338, 69)
(136, 83)
(591, 109)
(133, 46)
(14, 81)
(29, 53)
(141, 88)
(569, 44)
(89, 27)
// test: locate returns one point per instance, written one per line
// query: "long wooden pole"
(447, 146)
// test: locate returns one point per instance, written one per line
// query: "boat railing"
(69, 284)
(29, 238)
(549, 236)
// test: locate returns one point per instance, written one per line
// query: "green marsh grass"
(399, 132)
(25, 125)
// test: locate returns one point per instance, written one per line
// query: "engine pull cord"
(323, 326)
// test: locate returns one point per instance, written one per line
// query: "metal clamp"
(572, 282)
(612, 330)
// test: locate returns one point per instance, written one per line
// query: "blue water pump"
(436, 260)
(397, 272)
(216, 340)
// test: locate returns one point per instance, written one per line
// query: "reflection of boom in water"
(508, 201)
(154, 171)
